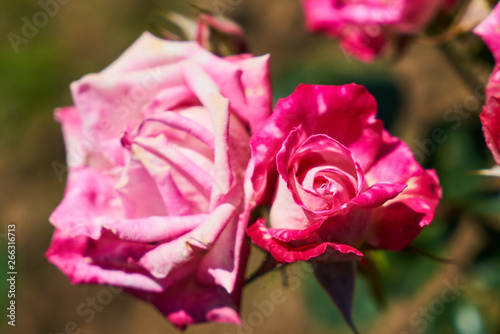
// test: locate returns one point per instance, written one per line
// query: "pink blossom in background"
(157, 148)
(335, 179)
(365, 27)
(489, 31)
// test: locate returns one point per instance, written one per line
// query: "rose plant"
(157, 148)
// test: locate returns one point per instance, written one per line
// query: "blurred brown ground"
(89, 35)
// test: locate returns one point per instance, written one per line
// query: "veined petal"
(164, 258)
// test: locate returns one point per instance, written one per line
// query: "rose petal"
(90, 200)
(286, 213)
(71, 123)
(400, 220)
(489, 31)
(224, 264)
(158, 155)
(377, 195)
(166, 257)
(218, 106)
(490, 118)
(68, 254)
(134, 185)
(257, 82)
(155, 229)
(283, 252)
(202, 304)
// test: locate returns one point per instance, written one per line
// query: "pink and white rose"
(365, 27)
(157, 148)
(337, 182)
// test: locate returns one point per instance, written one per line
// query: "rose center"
(323, 174)
(324, 186)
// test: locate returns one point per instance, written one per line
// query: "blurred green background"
(414, 92)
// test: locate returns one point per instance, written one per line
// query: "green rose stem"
(267, 265)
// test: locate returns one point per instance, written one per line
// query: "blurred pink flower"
(489, 31)
(335, 179)
(365, 27)
(157, 148)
